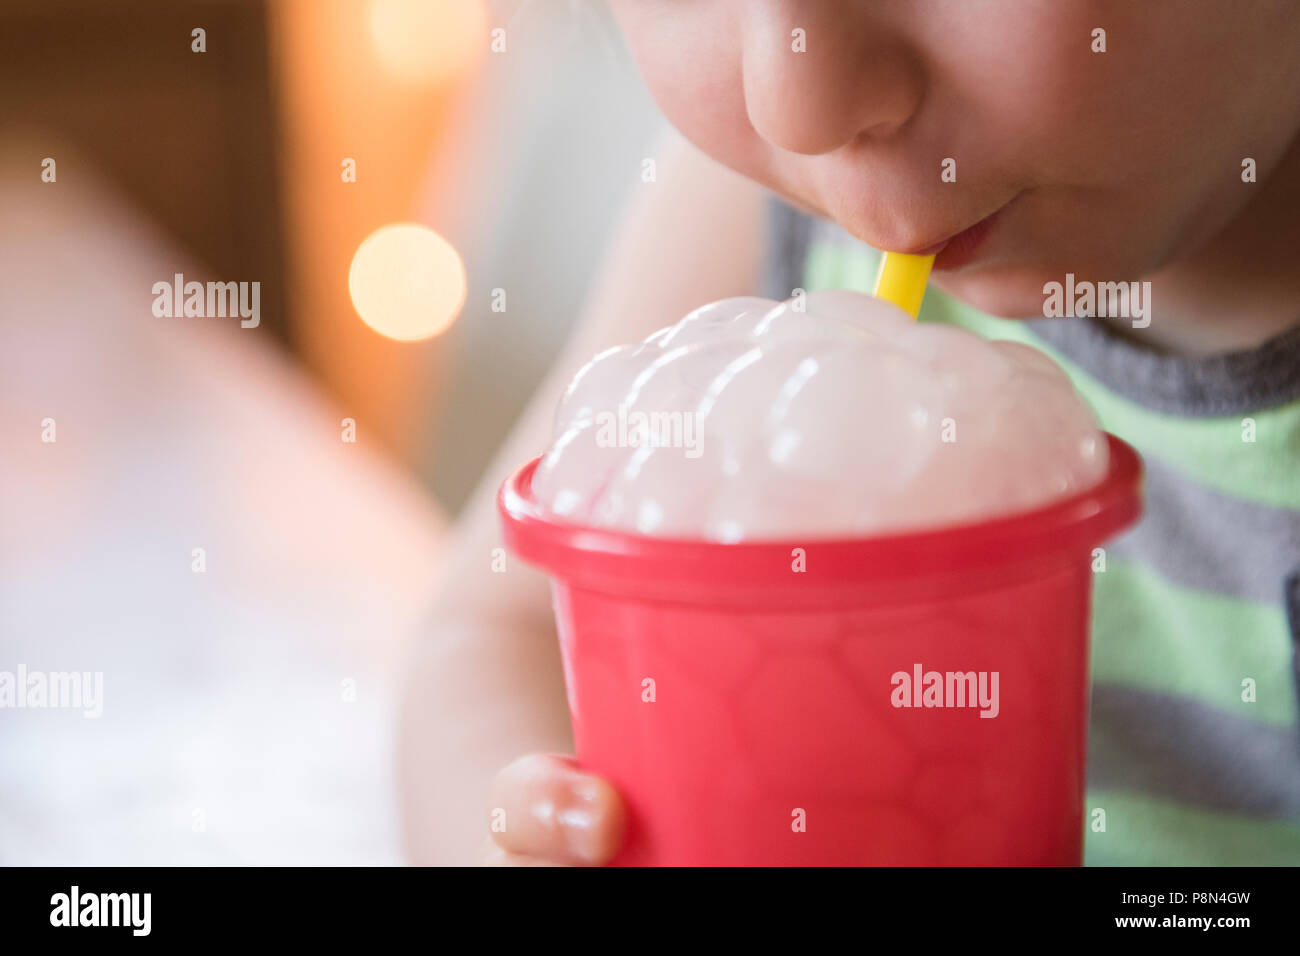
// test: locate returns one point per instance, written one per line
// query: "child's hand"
(554, 815)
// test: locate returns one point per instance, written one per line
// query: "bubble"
(572, 474)
(857, 308)
(787, 324)
(717, 321)
(601, 384)
(1027, 359)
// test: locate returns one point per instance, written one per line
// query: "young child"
(1106, 141)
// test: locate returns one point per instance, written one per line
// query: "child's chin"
(1008, 294)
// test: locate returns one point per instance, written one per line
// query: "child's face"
(1108, 165)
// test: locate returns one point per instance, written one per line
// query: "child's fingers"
(493, 855)
(554, 811)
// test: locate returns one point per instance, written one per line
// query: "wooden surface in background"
(189, 137)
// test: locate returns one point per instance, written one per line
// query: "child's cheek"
(1033, 84)
(696, 80)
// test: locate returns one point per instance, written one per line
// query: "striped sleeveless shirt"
(1194, 745)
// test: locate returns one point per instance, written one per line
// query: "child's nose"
(848, 73)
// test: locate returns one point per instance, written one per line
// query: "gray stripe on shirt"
(1197, 537)
(1200, 386)
(785, 250)
(1188, 751)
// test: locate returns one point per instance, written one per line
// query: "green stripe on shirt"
(1234, 639)
(1147, 831)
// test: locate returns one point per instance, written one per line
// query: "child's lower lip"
(958, 250)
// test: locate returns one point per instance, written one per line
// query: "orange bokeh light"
(427, 41)
(407, 282)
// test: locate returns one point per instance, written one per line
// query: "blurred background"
(239, 527)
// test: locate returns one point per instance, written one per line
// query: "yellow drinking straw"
(902, 279)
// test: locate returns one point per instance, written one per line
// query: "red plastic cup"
(746, 699)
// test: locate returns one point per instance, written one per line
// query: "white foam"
(835, 415)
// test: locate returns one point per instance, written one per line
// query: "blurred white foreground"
(226, 736)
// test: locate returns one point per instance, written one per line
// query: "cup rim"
(650, 566)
